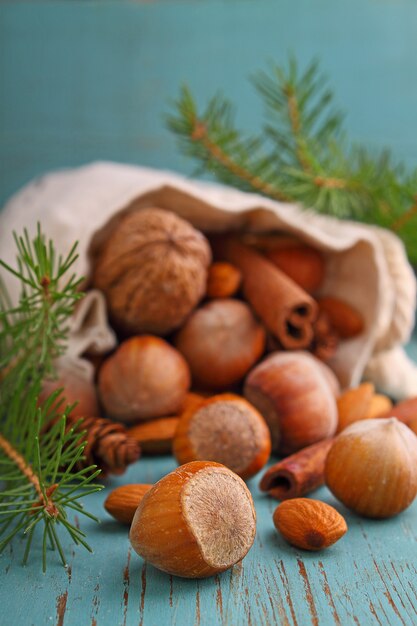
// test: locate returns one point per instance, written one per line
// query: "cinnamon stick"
(286, 309)
(326, 339)
(298, 474)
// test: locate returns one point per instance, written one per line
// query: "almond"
(379, 406)
(309, 524)
(123, 501)
(155, 437)
(404, 411)
(346, 320)
(303, 264)
(354, 404)
(223, 280)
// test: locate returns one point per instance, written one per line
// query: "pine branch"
(37, 463)
(301, 153)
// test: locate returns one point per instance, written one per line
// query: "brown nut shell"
(152, 268)
(221, 341)
(296, 399)
(145, 378)
(197, 521)
(225, 429)
(372, 467)
(309, 524)
(76, 390)
(123, 501)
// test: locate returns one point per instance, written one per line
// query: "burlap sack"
(366, 266)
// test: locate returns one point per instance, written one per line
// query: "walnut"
(152, 269)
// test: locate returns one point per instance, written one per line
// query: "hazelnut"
(221, 341)
(226, 429)
(372, 467)
(296, 399)
(197, 521)
(143, 379)
(152, 269)
(77, 390)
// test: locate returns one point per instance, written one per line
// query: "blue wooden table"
(369, 577)
(82, 81)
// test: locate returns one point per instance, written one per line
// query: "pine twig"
(44, 498)
(406, 217)
(38, 468)
(200, 133)
(300, 155)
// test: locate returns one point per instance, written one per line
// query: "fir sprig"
(301, 154)
(37, 464)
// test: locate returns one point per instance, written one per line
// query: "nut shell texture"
(309, 524)
(195, 522)
(143, 379)
(153, 271)
(221, 341)
(372, 467)
(225, 429)
(296, 399)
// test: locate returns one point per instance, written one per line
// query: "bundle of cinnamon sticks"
(279, 281)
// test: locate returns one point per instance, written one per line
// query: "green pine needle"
(38, 454)
(301, 153)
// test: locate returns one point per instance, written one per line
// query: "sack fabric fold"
(366, 266)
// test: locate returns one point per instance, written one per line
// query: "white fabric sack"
(366, 266)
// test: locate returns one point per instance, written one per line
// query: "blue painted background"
(85, 80)
(81, 81)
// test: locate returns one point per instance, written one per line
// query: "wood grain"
(369, 577)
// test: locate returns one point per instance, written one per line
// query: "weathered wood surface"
(369, 577)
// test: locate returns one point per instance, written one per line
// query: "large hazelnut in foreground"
(372, 467)
(195, 522)
(221, 341)
(225, 429)
(152, 269)
(143, 379)
(296, 398)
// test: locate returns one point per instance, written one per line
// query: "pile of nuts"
(221, 362)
